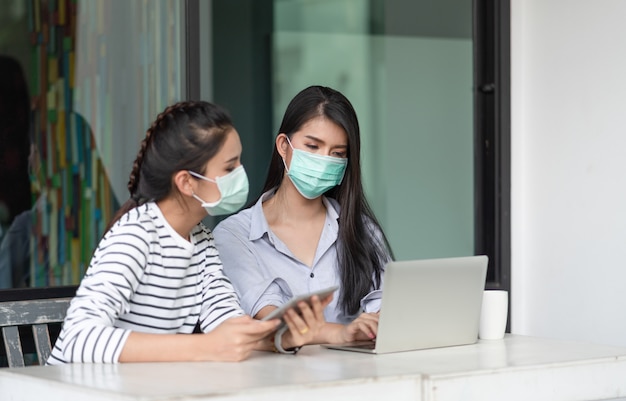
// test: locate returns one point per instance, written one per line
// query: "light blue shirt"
(265, 272)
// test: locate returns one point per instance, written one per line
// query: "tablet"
(293, 302)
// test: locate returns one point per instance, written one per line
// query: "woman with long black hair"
(312, 227)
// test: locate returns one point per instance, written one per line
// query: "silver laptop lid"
(431, 303)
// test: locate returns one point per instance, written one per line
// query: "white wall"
(568, 62)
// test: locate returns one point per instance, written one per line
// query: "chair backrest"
(36, 313)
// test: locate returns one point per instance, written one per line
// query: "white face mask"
(233, 189)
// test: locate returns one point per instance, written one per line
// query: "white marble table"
(516, 368)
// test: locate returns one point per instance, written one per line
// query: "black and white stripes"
(144, 277)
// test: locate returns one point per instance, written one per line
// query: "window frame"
(492, 133)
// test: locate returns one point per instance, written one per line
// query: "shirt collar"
(258, 222)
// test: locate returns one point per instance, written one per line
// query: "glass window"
(97, 73)
(410, 81)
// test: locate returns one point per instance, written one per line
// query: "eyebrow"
(316, 139)
(231, 160)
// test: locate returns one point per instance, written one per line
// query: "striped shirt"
(144, 277)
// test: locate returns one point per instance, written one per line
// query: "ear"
(282, 145)
(184, 182)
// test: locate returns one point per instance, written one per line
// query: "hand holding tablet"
(293, 303)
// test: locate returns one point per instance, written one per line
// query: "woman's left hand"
(364, 327)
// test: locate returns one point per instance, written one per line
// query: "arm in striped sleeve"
(88, 333)
(219, 299)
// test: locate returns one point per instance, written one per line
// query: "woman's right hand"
(306, 327)
(236, 338)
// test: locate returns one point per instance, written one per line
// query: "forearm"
(233, 340)
(146, 347)
(330, 333)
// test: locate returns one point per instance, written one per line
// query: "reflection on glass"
(99, 70)
(128, 67)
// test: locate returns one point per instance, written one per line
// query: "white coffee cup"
(493, 315)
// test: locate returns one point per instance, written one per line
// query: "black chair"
(37, 314)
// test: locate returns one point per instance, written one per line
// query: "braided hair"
(185, 136)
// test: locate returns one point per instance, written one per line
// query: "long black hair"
(185, 136)
(361, 252)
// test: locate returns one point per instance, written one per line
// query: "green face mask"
(313, 174)
(233, 189)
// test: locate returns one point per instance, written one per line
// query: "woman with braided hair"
(156, 273)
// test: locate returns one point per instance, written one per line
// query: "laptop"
(427, 303)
